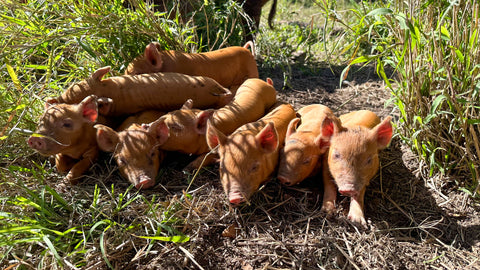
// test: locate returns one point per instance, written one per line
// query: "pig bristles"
(214, 150)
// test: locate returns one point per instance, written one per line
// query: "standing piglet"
(307, 139)
(353, 161)
(230, 66)
(158, 91)
(184, 130)
(250, 154)
(67, 132)
(135, 148)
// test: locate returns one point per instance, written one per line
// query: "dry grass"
(414, 221)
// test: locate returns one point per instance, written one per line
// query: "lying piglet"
(250, 154)
(230, 66)
(307, 139)
(134, 147)
(158, 91)
(184, 129)
(352, 160)
(69, 135)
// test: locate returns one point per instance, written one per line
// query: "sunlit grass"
(49, 44)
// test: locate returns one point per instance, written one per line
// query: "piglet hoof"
(71, 179)
(328, 208)
(189, 169)
(358, 220)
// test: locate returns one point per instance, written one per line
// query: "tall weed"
(434, 49)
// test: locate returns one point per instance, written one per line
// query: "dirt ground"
(413, 222)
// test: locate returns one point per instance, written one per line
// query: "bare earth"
(413, 223)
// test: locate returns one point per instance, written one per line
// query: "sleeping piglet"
(136, 93)
(230, 67)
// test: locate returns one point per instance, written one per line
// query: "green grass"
(433, 48)
(49, 45)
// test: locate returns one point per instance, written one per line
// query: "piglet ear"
(152, 55)
(214, 136)
(270, 81)
(328, 127)
(202, 119)
(322, 141)
(107, 138)
(89, 108)
(188, 105)
(159, 130)
(292, 126)
(267, 138)
(250, 45)
(384, 132)
(99, 73)
(50, 102)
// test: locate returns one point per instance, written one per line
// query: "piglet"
(135, 148)
(352, 160)
(230, 66)
(185, 128)
(68, 134)
(249, 155)
(307, 139)
(136, 93)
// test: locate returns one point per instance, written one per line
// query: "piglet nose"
(145, 184)
(348, 192)
(36, 143)
(284, 181)
(236, 198)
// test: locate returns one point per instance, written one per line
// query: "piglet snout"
(36, 143)
(145, 184)
(236, 198)
(284, 181)
(348, 190)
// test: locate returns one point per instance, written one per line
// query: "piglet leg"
(210, 159)
(330, 189)
(88, 158)
(355, 214)
(64, 163)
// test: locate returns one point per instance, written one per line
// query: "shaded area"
(413, 224)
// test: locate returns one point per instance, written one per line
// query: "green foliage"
(433, 47)
(42, 222)
(47, 46)
(52, 44)
(218, 24)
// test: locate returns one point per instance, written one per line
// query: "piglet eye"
(307, 161)
(68, 124)
(369, 161)
(121, 162)
(255, 167)
(336, 155)
(152, 154)
(176, 128)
